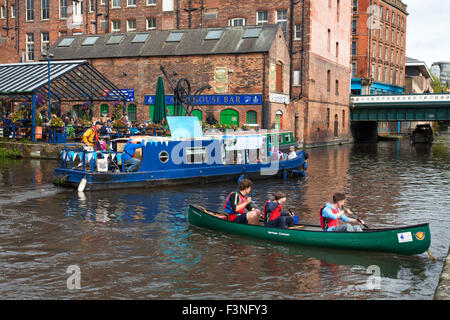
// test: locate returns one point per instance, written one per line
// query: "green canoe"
(402, 240)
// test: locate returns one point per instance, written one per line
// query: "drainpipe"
(202, 9)
(178, 14)
(302, 83)
(265, 119)
(291, 45)
(17, 33)
(107, 16)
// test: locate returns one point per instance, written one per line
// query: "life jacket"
(90, 136)
(326, 223)
(229, 208)
(275, 214)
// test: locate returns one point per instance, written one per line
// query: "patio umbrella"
(159, 110)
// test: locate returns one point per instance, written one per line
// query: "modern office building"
(442, 71)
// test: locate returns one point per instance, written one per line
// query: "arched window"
(197, 113)
(251, 117)
(279, 119)
(336, 125)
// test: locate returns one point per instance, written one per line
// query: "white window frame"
(167, 5)
(297, 32)
(147, 24)
(29, 10)
(13, 11)
(2, 12)
(282, 21)
(232, 22)
(42, 10)
(28, 45)
(61, 7)
(112, 26)
(296, 82)
(152, 3)
(129, 29)
(262, 22)
(115, 4)
(92, 5)
(199, 155)
(131, 5)
(45, 42)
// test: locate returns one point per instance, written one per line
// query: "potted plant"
(38, 128)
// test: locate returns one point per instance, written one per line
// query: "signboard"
(127, 92)
(279, 98)
(211, 99)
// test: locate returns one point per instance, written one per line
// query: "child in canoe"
(274, 216)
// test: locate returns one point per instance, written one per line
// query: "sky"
(427, 34)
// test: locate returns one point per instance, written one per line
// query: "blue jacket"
(327, 213)
(130, 148)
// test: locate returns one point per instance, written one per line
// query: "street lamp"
(49, 56)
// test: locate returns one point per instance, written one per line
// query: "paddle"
(296, 219)
(360, 222)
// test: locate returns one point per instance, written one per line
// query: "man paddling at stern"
(331, 213)
(237, 202)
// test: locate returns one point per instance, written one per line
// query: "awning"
(69, 81)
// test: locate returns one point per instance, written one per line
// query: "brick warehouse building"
(317, 34)
(378, 46)
(249, 64)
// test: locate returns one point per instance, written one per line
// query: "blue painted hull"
(179, 175)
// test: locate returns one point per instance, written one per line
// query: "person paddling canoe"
(331, 213)
(237, 202)
(274, 216)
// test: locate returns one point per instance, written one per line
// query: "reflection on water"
(138, 243)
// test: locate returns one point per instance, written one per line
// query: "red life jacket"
(326, 223)
(275, 214)
(229, 208)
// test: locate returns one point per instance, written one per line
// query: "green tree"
(436, 83)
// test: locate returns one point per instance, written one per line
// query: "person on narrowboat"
(237, 203)
(331, 213)
(91, 136)
(129, 152)
(274, 217)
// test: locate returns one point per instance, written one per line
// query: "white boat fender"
(82, 185)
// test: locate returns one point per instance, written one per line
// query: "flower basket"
(57, 122)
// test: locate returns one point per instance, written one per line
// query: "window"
(354, 48)
(336, 92)
(131, 25)
(338, 5)
(30, 10)
(115, 39)
(62, 8)
(236, 22)
(30, 47)
(151, 23)
(175, 37)
(163, 156)
(195, 155)
(45, 41)
(296, 78)
(380, 50)
(354, 65)
(92, 5)
(298, 32)
(214, 34)
(131, 112)
(337, 49)
(131, 3)
(354, 26)
(355, 6)
(262, 17)
(167, 5)
(115, 26)
(328, 118)
(329, 40)
(328, 80)
(89, 41)
(252, 33)
(343, 119)
(282, 20)
(381, 12)
(379, 72)
(374, 49)
(381, 30)
(104, 110)
(141, 37)
(2, 12)
(115, 4)
(279, 78)
(13, 11)
(251, 117)
(66, 42)
(45, 9)
(151, 2)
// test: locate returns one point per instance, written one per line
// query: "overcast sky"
(428, 33)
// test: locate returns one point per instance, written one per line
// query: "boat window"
(195, 155)
(287, 138)
(163, 156)
(280, 138)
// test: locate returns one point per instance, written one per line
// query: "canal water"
(138, 244)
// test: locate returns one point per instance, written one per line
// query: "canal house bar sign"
(215, 99)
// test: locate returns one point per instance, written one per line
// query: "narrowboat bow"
(402, 240)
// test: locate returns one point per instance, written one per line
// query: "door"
(229, 117)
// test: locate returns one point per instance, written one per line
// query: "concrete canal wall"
(443, 289)
(34, 150)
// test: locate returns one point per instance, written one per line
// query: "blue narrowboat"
(178, 159)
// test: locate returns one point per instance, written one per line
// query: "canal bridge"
(367, 110)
